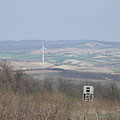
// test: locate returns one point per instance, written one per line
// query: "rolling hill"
(79, 55)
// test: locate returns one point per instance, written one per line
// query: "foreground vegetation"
(25, 98)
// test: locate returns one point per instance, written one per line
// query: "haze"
(60, 19)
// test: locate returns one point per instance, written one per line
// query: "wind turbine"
(43, 52)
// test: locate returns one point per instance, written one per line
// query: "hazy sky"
(60, 19)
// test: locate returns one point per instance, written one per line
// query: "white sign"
(88, 89)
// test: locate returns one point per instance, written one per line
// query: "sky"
(60, 19)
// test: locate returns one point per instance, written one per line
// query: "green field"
(83, 55)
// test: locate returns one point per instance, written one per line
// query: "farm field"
(80, 55)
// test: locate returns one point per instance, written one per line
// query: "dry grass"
(28, 65)
(46, 106)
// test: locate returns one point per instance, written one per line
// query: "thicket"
(25, 98)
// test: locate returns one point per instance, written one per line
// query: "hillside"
(79, 55)
(23, 97)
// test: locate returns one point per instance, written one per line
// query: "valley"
(79, 55)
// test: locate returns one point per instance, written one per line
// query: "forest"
(91, 75)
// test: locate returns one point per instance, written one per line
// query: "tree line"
(90, 75)
(21, 83)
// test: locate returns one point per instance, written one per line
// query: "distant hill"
(80, 55)
(29, 45)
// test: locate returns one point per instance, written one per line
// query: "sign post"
(88, 93)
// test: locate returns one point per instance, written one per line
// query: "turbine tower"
(43, 52)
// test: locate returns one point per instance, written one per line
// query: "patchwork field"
(80, 55)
